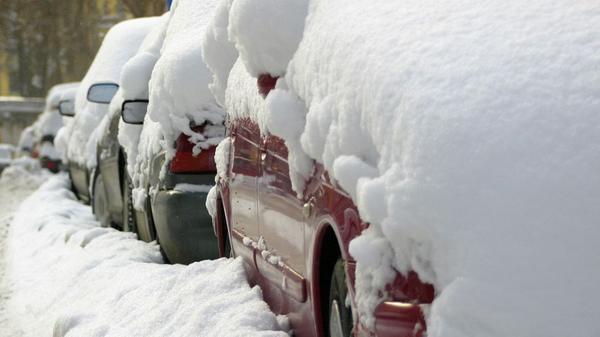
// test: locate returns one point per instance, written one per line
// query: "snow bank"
(179, 92)
(60, 261)
(120, 44)
(467, 133)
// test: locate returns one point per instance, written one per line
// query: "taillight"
(266, 83)
(411, 289)
(185, 162)
(51, 165)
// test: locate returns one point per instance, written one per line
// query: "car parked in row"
(48, 124)
(93, 96)
(171, 181)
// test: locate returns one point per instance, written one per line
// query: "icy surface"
(467, 133)
(120, 44)
(69, 277)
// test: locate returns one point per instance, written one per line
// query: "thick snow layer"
(69, 277)
(134, 85)
(467, 133)
(242, 99)
(179, 86)
(266, 33)
(151, 142)
(218, 51)
(120, 44)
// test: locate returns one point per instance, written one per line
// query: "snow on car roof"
(119, 45)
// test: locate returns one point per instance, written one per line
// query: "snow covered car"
(93, 96)
(6, 154)
(174, 167)
(297, 247)
(49, 122)
(112, 185)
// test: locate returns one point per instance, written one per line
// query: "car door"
(243, 184)
(281, 225)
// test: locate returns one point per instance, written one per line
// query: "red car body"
(289, 244)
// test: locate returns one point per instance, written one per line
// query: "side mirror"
(102, 92)
(66, 108)
(134, 111)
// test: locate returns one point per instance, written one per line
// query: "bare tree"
(141, 8)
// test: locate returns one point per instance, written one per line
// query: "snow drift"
(70, 277)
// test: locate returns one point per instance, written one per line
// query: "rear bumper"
(184, 227)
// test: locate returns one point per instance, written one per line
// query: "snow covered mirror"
(133, 111)
(66, 108)
(102, 92)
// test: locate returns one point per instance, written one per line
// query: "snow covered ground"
(63, 275)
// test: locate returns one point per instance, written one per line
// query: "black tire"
(99, 203)
(228, 251)
(339, 316)
(128, 217)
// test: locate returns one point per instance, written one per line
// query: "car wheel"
(339, 314)
(129, 224)
(99, 205)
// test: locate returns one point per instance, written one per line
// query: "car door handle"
(308, 208)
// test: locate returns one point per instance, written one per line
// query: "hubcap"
(335, 321)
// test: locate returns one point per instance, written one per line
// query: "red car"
(297, 249)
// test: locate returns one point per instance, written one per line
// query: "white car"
(6, 153)
(97, 89)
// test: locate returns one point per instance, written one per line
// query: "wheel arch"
(326, 251)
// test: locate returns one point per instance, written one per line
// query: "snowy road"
(15, 186)
(62, 275)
